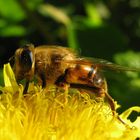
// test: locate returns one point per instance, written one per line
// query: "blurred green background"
(96, 28)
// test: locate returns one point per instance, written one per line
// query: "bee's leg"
(112, 106)
(26, 87)
(61, 80)
(43, 79)
(63, 86)
(108, 97)
(111, 103)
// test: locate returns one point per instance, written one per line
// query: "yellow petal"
(9, 77)
(126, 113)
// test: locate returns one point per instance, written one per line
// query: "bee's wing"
(101, 63)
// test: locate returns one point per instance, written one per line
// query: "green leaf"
(56, 13)
(33, 4)
(13, 30)
(129, 58)
(93, 14)
(3, 23)
(1, 77)
(11, 10)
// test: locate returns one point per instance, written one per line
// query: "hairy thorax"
(51, 65)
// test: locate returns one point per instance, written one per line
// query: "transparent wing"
(101, 63)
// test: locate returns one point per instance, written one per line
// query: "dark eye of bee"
(26, 59)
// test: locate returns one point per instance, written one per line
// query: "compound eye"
(26, 59)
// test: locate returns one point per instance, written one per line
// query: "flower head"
(52, 114)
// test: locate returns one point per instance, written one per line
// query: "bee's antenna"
(28, 45)
(12, 60)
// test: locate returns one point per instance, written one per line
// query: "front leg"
(43, 79)
(26, 87)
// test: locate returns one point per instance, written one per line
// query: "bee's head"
(23, 62)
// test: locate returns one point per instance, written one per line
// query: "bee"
(62, 66)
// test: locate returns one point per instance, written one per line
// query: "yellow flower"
(52, 114)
